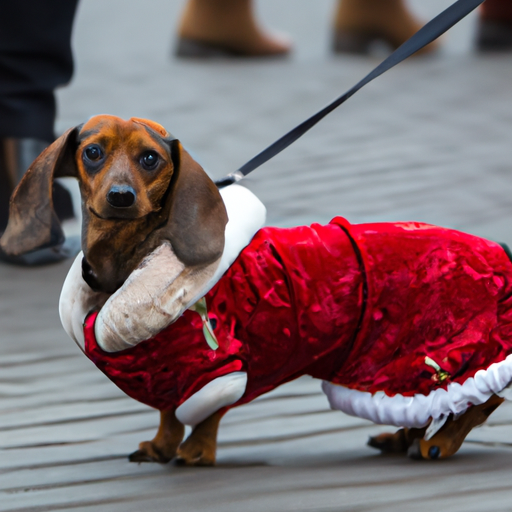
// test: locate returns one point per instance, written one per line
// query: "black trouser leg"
(35, 59)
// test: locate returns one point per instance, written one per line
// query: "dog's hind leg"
(444, 443)
(200, 448)
(450, 437)
(399, 442)
(163, 447)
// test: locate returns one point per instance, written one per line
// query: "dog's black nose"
(121, 196)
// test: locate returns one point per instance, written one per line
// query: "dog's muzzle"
(121, 196)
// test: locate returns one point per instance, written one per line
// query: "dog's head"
(138, 186)
(125, 167)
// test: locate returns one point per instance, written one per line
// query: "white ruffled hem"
(417, 411)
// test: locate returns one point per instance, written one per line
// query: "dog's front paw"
(194, 453)
(149, 452)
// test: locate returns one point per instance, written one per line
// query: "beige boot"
(359, 24)
(211, 28)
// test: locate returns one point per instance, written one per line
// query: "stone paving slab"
(428, 141)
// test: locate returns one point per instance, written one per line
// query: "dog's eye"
(149, 160)
(93, 153)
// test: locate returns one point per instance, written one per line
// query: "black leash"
(431, 31)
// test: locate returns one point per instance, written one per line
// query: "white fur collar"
(417, 410)
(246, 214)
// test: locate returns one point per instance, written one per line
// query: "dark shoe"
(6, 185)
(494, 36)
(16, 156)
(62, 202)
(69, 249)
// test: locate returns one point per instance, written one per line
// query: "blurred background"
(428, 141)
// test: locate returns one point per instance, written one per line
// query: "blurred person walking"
(359, 24)
(494, 31)
(35, 59)
(212, 28)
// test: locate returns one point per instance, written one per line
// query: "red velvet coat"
(360, 306)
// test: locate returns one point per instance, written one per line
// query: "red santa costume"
(404, 323)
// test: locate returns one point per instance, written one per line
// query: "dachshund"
(139, 187)
(188, 306)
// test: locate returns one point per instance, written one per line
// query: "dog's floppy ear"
(33, 223)
(197, 216)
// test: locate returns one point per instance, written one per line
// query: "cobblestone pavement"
(429, 141)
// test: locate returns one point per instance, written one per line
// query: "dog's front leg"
(165, 444)
(200, 448)
(204, 410)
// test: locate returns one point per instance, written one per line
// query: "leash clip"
(230, 179)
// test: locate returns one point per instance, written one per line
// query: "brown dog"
(138, 186)
(142, 193)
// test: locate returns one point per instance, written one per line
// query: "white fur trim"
(416, 411)
(76, 301)
(146, 292)
(140, 309)
(218, 393)
(246, 215)
(67, 301)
